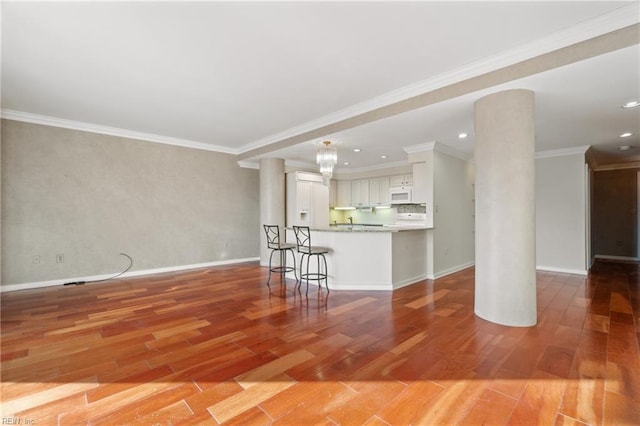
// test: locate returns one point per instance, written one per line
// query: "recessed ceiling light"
(356, 150)
(631, 104)
(624, 148)
(346, 163)
(462, 135)
(626, 135)
(383, 156)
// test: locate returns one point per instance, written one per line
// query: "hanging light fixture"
(326, 157)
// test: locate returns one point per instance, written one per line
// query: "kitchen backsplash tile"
(376, 216)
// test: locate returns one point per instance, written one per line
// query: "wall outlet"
(36, 258)
(59, 258)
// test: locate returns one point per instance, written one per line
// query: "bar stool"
(273, 242)
(303, 242)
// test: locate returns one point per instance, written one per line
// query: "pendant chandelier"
(326, 157)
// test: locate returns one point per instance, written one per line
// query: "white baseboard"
(561, 270)
(346, 286)
(538, 268)
(452, 270)
(366, 286)
(352, 286)
(363, 287)
(409, 281)
(88, 279)
(607, 257)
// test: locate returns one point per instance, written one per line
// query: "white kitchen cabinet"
(360, 193)
(401, 181)
(307, 200)
(303, 196)
(333, 193)
(379, 191)
(343, 192)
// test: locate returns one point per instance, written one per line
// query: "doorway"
(615, 223)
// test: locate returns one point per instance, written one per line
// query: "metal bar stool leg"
(269, 278)
(326, 274)
(293, 255)
(319, 271)
(283, 264)
(308, 261)
(301, 260)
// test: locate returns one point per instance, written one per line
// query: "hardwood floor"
(215, 346)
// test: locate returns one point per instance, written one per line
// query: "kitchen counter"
(366, 228)
(371, 257)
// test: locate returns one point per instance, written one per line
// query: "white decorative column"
(505, 286)
(272, 200)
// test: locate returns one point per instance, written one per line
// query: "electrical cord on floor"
(106, 279)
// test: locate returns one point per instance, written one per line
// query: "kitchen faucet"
(350, 220)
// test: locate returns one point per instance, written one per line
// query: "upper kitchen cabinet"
(343, 193)
(360, 193)
(379, 191)
(333, 193)
(307, 200)
(401, 181)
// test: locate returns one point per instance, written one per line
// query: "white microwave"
(400, 195)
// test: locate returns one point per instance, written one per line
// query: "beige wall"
(90, 197)
(453, 194)
(614, 207)
(561, 213)
(0, 201)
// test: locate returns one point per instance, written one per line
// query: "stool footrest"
(313, 276)
(281, 269)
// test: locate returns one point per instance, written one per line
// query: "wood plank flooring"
(213, 346)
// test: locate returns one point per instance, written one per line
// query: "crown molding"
(301, 165)
(421, 147)
(445, 149)
(111, 131)
(612, 21)
(440, 147)
(618, 166)
(255, 164)
(249, 164)
(372, 168)
(563, 151)
(591, 159)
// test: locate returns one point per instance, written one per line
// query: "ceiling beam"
(590, 48)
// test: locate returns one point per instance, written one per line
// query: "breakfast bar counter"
(371, 257)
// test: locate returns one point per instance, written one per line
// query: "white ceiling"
(238, 76)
